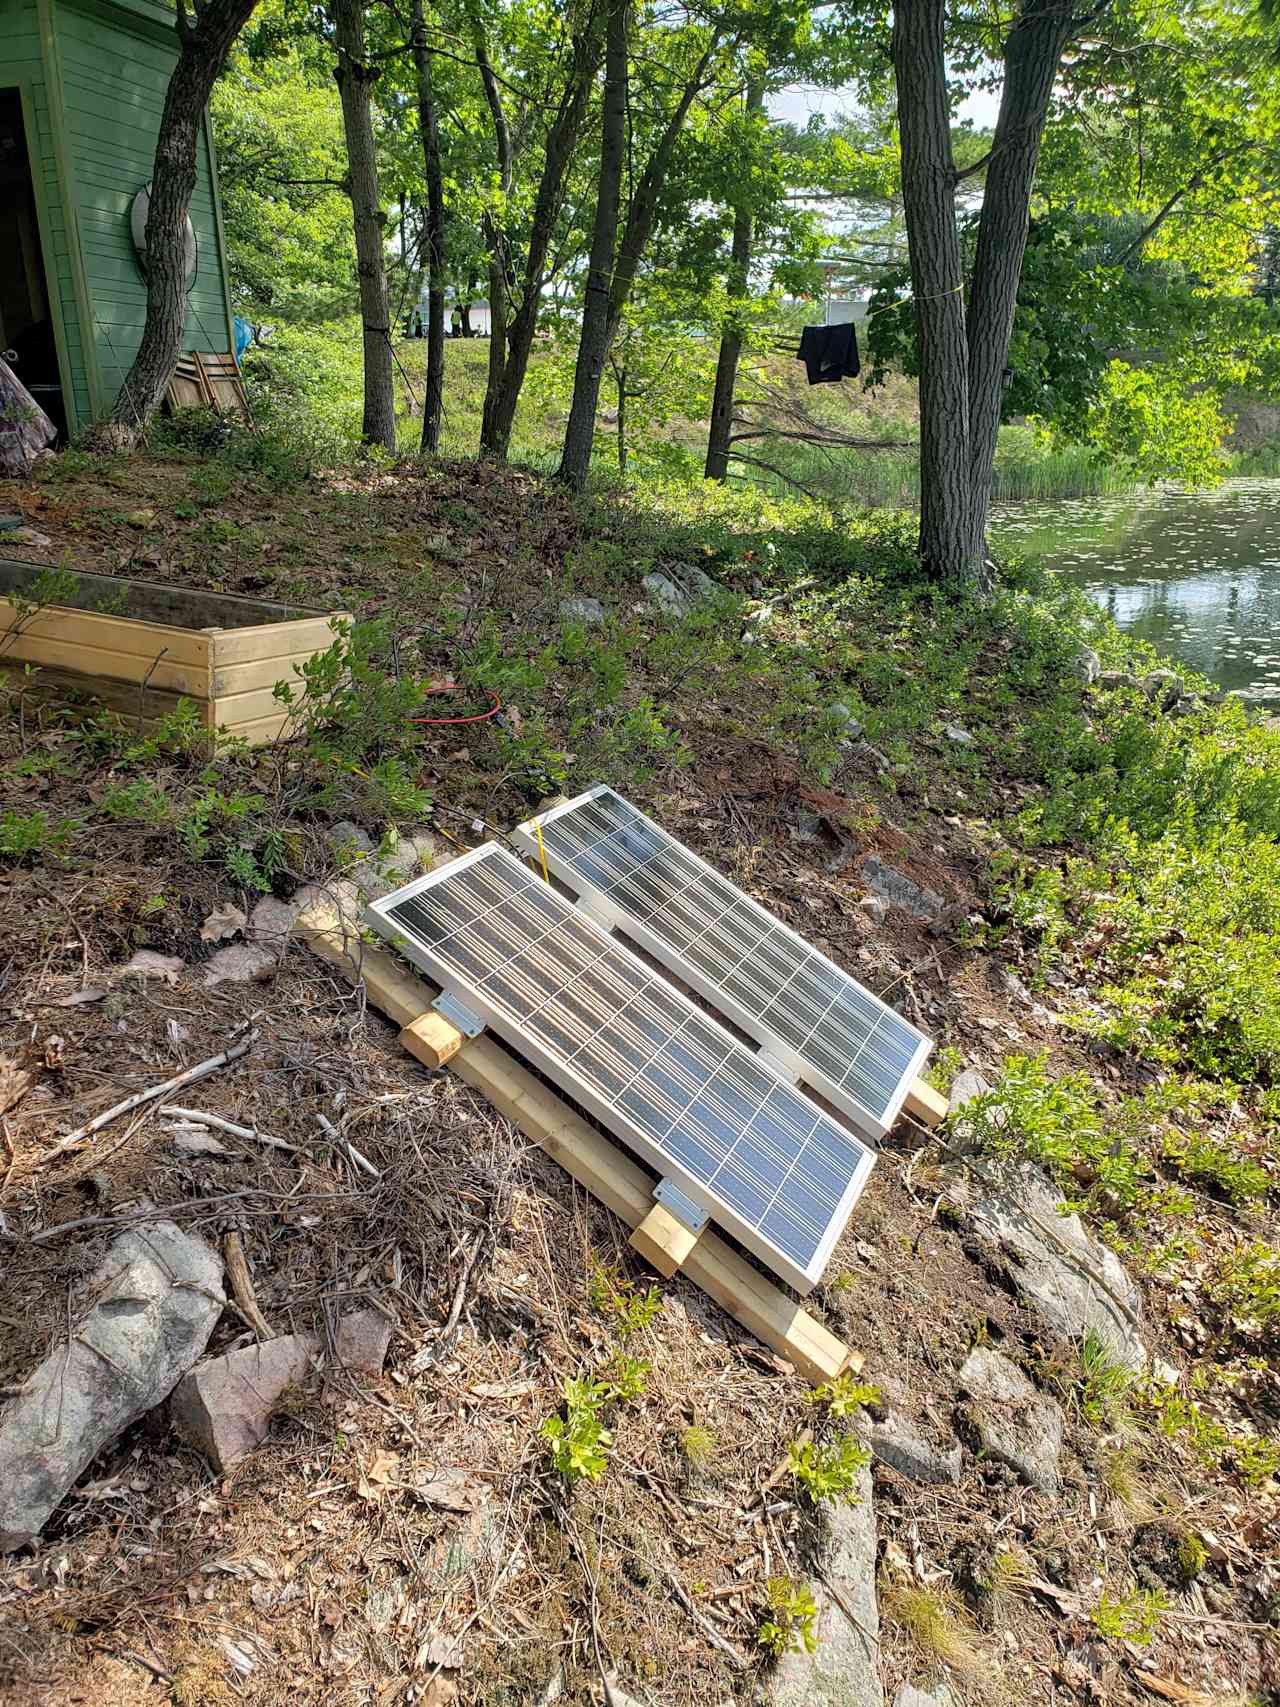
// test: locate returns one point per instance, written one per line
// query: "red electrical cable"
(474, 717)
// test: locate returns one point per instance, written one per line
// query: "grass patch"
(934, 1623)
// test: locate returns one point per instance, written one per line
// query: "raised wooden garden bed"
(139, 647)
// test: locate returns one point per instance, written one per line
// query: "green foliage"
(1133, 1617)
(578, 1441)
(626, 1376)
(1216, 1167)
(1058, 1120)
(788, 1625)
(698, 1444)
(1245, 1281)
(828, 1470)
(1192, 1556)
(33, 834)
(843, 1396)
(1105, 1383)
(630, 1308)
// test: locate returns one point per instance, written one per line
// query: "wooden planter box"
(139, 647)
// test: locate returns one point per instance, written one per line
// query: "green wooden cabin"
(82, 86)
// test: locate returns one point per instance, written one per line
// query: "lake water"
(1195, 573)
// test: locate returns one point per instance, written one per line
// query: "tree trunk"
(355, 78)
(1032, 55)
(495, 237)
(644, 199)
(203, 48)
(928, 193)
(500, 406)
(721, 428)
(593, 340)
(433, 400)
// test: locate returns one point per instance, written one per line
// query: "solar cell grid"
(787, 995)
(768, 1163)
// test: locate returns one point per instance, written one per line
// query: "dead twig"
(216, 1120)
(74, 922)
(358, 1159)
(200, 1071)
(704, 1624)
(242, 1287)
(160, 1211)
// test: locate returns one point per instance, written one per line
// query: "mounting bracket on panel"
(468, 1022)
(672, 1197)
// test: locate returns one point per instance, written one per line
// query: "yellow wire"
(542, 853)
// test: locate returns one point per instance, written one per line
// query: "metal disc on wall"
(138, 230)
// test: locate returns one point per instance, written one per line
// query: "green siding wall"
(94, 75)
(114, 82)
(22, 64)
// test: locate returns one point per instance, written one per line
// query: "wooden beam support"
(608, 1173)
(432, 1039)
(664, 1241)
(926, 1104)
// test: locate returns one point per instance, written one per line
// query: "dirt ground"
(404, 1539)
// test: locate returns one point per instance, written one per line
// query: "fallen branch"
(358, 1159)
(159, 1212)
(230, 1126)
(201, 1071)
(704, 1624)
(242, 1287)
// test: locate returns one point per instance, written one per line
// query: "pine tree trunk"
(928, 191)
(355, 78)
(433, 401)
(500, 404)
(495, 237)
(203, 48)
(1032, 55)
(593, 339)
(721, 428)
(645, 197)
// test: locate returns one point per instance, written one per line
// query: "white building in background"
(480, 323)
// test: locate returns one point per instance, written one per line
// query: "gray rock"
(961, 736)
(1117, 679)
(266, 938)
(156, 1298)
(374, 874)
(1157, 684)
(29, 536)
(1055, 1263)
(240, 963)
(896, 1444)
(898, 889)
(588, 611)
(876, 906)
(967, 1085)
(1015, 1423)
(844, 1671)
(361, 1341)
(851, 727)
(1086, 665)
(664, 595)
(909, 1696)
(223, 1407)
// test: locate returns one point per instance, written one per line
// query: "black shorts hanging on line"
(830, 353)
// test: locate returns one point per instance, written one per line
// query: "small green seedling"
(787, 1627)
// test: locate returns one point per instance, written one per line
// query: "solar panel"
(816, 1019)
(719, 1121)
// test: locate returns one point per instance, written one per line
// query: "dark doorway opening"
(26, 322)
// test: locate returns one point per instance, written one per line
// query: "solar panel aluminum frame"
(790, 1059)
(377, 915)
